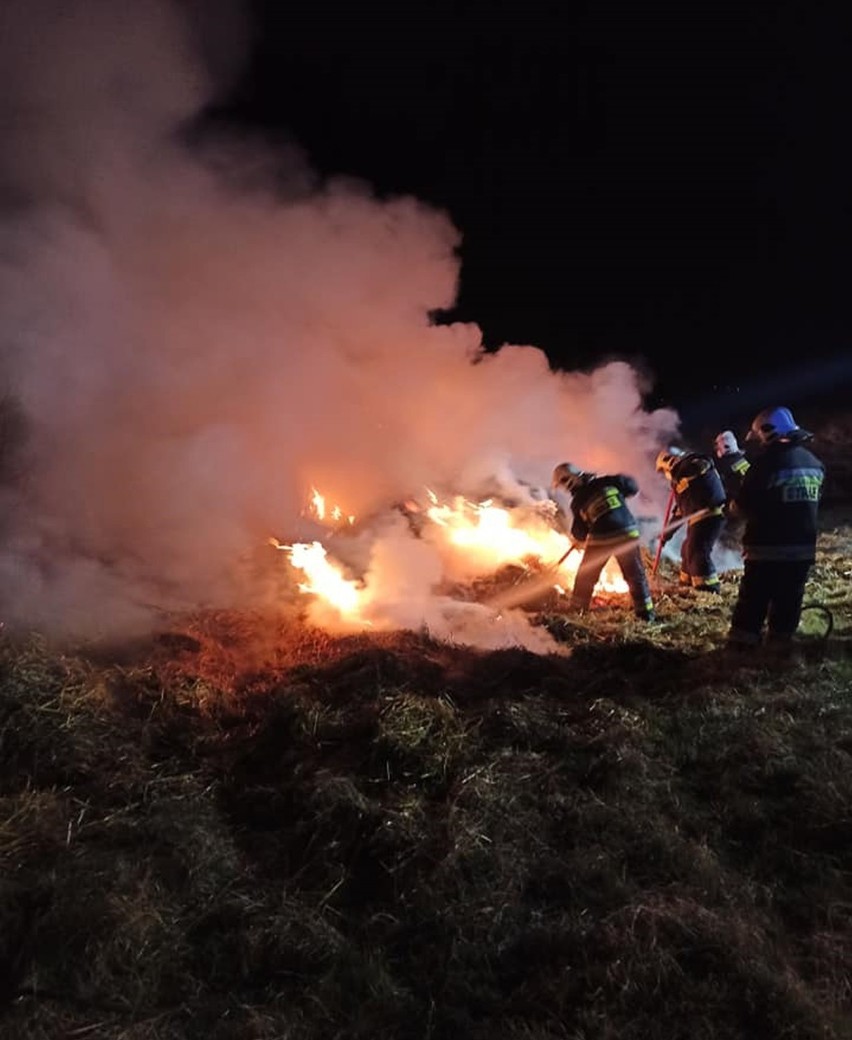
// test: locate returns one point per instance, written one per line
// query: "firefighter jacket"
(697, 486)
(601, 515)
(779, 499)
(732, 468)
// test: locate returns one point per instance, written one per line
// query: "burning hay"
(444, 566)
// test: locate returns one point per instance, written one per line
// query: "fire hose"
(828, 617)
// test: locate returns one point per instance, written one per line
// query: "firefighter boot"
(644, 610)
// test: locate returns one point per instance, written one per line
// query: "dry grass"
(247, 829)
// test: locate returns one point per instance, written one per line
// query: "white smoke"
(190, 345)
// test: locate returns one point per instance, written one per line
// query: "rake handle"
(659, 552)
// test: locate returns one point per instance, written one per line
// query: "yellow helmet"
(667, 459)
(567, 476)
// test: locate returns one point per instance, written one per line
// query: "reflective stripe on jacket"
(732, 468)
(601, 515)
(779, 499)
(697, 485)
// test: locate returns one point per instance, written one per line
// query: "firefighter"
(604, 526)
(700, 501)
(732, 466)
(731, 462)
(779, 501)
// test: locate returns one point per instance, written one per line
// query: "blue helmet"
(773, 424)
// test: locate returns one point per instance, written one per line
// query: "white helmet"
(726, 443)
(567, 476)
(668, 458)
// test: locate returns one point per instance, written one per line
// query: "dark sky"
(670, 182)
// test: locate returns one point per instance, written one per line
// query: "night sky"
(665, 183)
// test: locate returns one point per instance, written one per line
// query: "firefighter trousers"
(629, 559)
(770, 592)
(696, 554)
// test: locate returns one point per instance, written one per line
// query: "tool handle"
(659, 552)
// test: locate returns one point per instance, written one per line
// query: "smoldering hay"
(196, 333)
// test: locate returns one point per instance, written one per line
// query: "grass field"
(243, 828)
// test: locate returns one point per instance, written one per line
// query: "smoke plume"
(193, 337)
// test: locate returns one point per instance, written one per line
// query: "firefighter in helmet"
(779, 501)
(604, 525)
(699, 500)
(732, 466)
(731, 462)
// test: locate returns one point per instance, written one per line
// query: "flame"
(318, 504)
(320, 511)
(324, 578)
(611, 579)
(492, 536)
